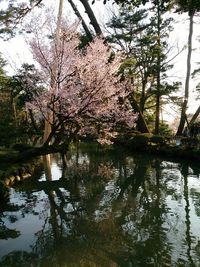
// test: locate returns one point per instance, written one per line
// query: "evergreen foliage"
(143, 38)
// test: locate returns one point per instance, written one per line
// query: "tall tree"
(190, 6)
(54, 68)
(126, 29)
(160, 7)
(142, 35)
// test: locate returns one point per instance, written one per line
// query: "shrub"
(140, 141)
(158, 139)
(21, 147)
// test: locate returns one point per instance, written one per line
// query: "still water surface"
(103, 209)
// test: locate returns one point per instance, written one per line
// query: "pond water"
(105, 208)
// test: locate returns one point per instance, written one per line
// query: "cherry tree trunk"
(49, 120)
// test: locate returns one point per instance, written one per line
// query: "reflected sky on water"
(103, 208)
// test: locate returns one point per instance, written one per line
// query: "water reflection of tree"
(19, 259)
(185, 171)
(143, 220)
(89, 233)
(6, 232)
(105, 212)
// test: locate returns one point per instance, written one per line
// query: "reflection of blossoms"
(106, 171)
(104, 141)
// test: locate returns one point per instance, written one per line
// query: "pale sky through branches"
(16, 51)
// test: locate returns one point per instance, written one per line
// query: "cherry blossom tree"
(83, 91)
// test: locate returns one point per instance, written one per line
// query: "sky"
(16, 51)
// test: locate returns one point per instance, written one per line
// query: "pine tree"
(191, 7)
(142, 35)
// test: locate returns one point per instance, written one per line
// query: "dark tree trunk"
(196, 114)
(141, 124)
(91, 16)
(86, 29)
(157, 119)
(187, 80)
(142, 98)
(33, 120)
